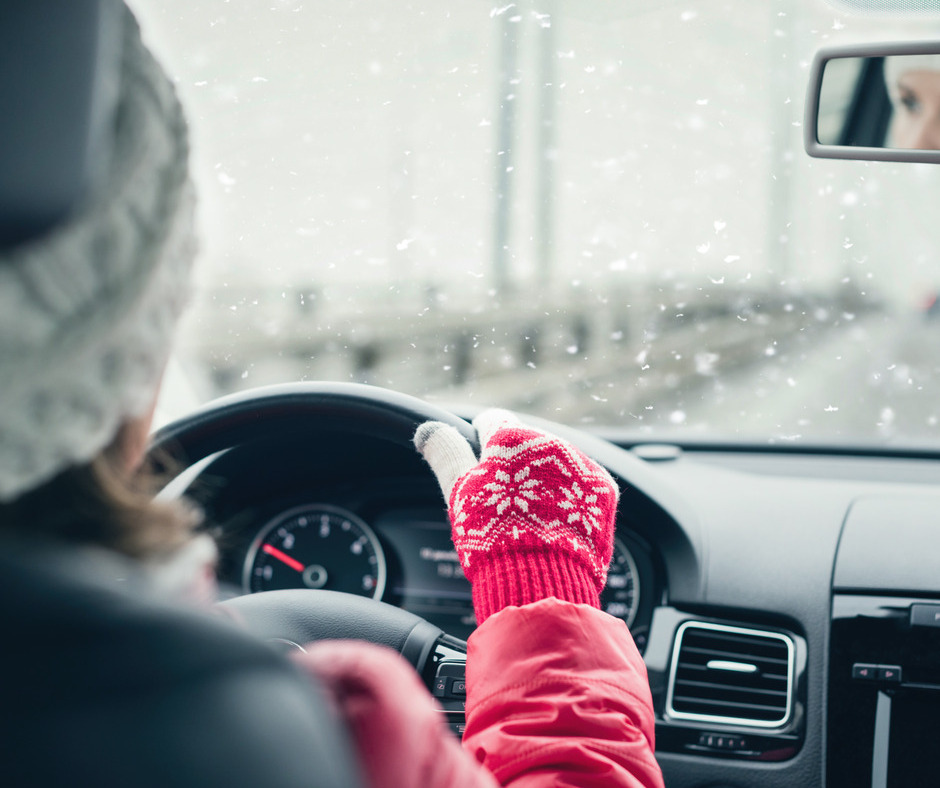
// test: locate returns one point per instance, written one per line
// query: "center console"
(883, 725)
(884, 692)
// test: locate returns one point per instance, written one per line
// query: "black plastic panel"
(884, 694)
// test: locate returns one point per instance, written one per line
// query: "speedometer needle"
(284, 558)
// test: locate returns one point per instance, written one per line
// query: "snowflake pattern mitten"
(533, 518)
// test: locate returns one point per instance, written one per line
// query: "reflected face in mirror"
(915, 96)
(889, 102)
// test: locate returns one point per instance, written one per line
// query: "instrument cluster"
(403, 556)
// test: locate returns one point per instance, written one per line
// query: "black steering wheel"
(294, 617)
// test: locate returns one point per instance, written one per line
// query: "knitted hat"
(87, 311)
(898, 65)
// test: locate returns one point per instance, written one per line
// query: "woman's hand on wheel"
(532, 518)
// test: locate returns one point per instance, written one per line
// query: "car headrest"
(59, 77)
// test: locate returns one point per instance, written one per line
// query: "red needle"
(293, 563)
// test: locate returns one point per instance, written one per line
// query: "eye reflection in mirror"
(879, 102)
(913, 83)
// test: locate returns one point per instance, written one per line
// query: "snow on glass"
(698, 172)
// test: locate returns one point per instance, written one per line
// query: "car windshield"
(598, 211)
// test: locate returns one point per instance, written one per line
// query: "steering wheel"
(294, 617)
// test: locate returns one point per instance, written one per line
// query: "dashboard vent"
(731, 675)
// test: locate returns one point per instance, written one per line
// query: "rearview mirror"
(879, 102)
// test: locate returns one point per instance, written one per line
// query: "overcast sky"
(358, 142)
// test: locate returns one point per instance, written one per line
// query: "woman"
(913, 83)
(110, 680)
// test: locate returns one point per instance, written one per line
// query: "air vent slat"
(692, 667)
(755, 678)
(728, 688)
(731, 674)
(731, 704)
(730, 637)
(716, 654)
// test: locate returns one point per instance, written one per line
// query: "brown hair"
(99, 503)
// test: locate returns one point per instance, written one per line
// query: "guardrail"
(578, 352)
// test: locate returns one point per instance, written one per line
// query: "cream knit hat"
(898, 65)
(87, 311)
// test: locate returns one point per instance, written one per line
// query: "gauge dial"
(621, 595)
(316, 546)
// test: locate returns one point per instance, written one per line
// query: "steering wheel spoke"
(292, 618)
(447, 680)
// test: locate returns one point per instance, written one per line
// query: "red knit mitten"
(533, 518)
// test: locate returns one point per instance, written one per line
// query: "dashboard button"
(865, 671)
(925, 615)
(891, 673)
(439, 690)
(716, 741)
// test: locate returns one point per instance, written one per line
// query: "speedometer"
(621, 595)
(316, 546)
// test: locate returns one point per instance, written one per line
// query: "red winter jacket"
(557, 695)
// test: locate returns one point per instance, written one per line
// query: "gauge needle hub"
(284, 558)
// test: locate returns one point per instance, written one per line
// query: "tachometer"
(621, 595)
(316, 546)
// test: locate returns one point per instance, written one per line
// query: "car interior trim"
(743, 668)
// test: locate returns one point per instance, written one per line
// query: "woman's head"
(913, 83)
(88, 310)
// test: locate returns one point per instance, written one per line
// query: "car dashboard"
(783, 600)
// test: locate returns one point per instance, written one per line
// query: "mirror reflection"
(881, 102)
